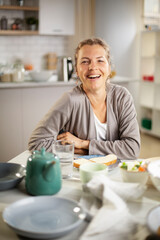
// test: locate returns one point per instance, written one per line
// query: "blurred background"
(37, 43)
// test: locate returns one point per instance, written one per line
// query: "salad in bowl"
(134, 171)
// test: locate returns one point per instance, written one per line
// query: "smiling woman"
(99, 117)
(93, 68)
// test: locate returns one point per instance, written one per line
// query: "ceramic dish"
(131, 175)
(11, 174)
(90, 170)
(154, 172)
(41, 76)
(153, 219)
(110, 167)
(43, 217)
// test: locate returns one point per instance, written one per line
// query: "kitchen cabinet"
(22, 106)
(27, 12)
(57, 17)
(150, 83)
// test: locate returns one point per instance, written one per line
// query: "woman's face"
(92, 67)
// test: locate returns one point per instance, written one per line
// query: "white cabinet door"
(56, 17)
(20, 111)
(11, 140)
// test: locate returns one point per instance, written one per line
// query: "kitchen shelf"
(21, 8)
(149, 90)
(18, 32)
(28, 11)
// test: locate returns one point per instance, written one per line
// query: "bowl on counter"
(133, 171)
(154, 172)
(41, 76)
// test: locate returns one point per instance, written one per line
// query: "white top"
(101, 129)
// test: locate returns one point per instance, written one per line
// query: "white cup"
(89, 170)
(65, 152)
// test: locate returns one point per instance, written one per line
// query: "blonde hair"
(91, 42)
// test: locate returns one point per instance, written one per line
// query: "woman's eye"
(100, 60)
(85, 62)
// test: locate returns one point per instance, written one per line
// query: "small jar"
(20, 2)
(18, 72)
(6, 77)
(5, 72)
(4, 23)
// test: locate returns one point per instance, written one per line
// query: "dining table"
(73, 189)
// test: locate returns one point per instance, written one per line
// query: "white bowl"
(89, 170)
(41, 76)
(132, 176)
(153, 219)
(154, 172)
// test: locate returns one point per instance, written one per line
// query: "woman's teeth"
(93, 76)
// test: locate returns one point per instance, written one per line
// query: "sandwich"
(79, 161)
(107, 160)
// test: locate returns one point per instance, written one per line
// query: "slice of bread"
(79, 161)
(107, 160)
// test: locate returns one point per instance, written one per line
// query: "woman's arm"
(49, 127)
(78, 143)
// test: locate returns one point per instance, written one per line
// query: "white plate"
(153, 219)
(43, 217)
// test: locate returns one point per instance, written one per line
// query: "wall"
(31, 49)
(84, 23)
(118, 22)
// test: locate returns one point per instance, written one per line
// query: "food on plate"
(80, 161)
(107, 160)
(134, 166)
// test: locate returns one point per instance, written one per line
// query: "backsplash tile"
(31, 49)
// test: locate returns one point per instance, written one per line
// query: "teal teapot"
(43, 173)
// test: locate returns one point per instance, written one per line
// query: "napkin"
(105, 201)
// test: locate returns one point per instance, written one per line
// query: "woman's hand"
(80, 151)
(78, 143)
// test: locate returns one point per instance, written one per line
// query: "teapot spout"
(48, 171)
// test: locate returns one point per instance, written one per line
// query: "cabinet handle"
(57, 30)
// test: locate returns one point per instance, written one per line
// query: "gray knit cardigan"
(73, 113)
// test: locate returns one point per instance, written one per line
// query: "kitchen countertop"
(119, 79)
(29, 84)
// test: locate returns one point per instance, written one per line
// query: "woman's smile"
(92, 67)
(93, 76)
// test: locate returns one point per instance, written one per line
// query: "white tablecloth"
(73, 189)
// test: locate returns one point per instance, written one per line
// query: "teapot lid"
(42, 154)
